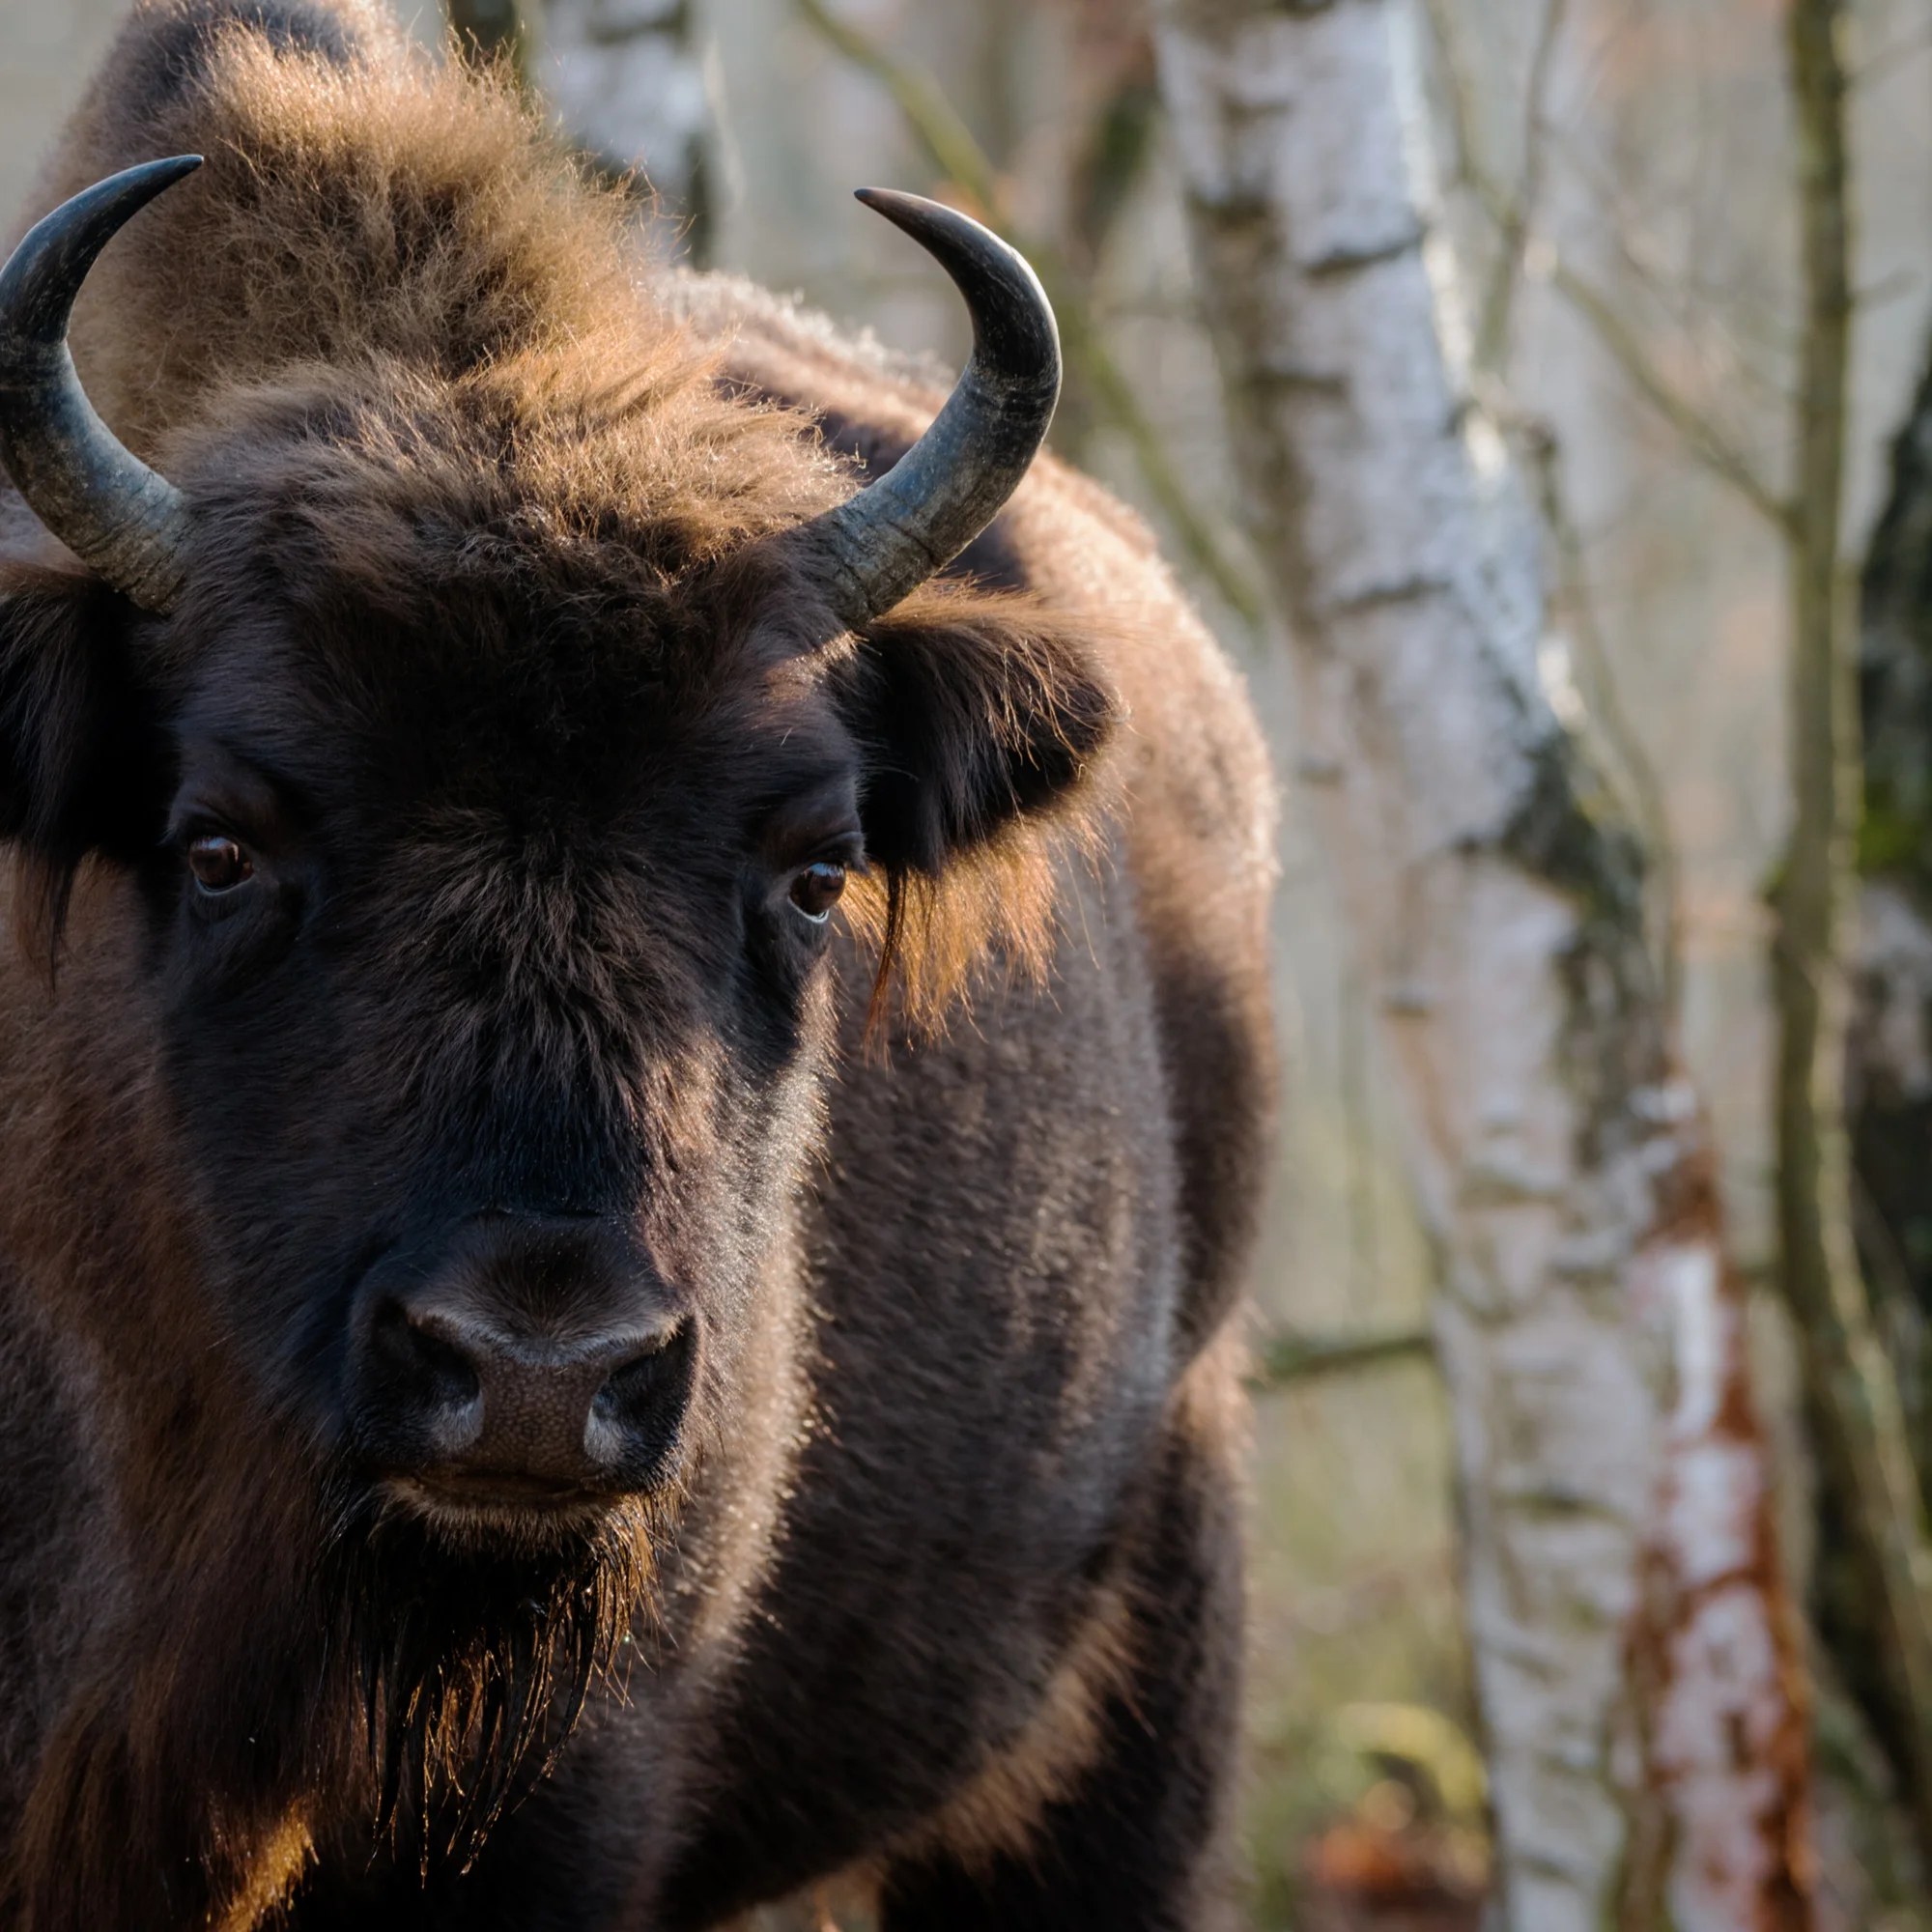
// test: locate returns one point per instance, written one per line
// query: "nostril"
(421, 1376)
(443, 1367)
(635, 1415)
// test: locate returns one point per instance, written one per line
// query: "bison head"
(482, 758)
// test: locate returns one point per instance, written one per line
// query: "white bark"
(1632, 1651)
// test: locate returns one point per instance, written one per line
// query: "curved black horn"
(102, 501)
(950, 485)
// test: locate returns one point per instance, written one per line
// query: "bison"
(637, 1068)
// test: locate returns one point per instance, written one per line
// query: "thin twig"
(1886, 61)
(1702, 434)
(921, 100)
(962, 160)
(1298, 1358)
(1492, 335)
(1681, 292)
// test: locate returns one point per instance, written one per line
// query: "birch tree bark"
(1634, 1651)
(627, 80)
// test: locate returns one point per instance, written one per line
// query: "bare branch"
(1492, 333)
(1883, 63)
(1701, 433)
(1678, 289)
(922, 104)
(1298, 1358)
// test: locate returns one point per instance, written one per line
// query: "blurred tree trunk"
(1869, 1590)
(489, 32)
(626, 82)
(1635, 1654)
(1888, 1084)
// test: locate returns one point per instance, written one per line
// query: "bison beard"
(472, 1665)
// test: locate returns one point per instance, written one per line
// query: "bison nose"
(473, 1388)
(468, 1404)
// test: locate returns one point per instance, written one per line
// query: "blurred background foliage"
(1641, 143)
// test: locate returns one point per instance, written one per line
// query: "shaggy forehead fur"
(503, 567)
(538, 478)
(358, 202)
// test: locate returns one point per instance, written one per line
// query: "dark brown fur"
(944, 1586)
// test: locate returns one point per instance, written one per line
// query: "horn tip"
(150, 176)
(897, 206)
(144, 181)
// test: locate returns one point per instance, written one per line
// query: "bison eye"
(815, 891)
(219, 863)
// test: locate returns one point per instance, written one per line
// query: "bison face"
(490, 819)
(510, 726)
(491, 996)
(493, 929)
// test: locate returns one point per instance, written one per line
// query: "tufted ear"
(982, 720)
(974, 713)
(81, 761)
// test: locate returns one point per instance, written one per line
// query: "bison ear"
(982, 720)
(977, 715)
(81, 769)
